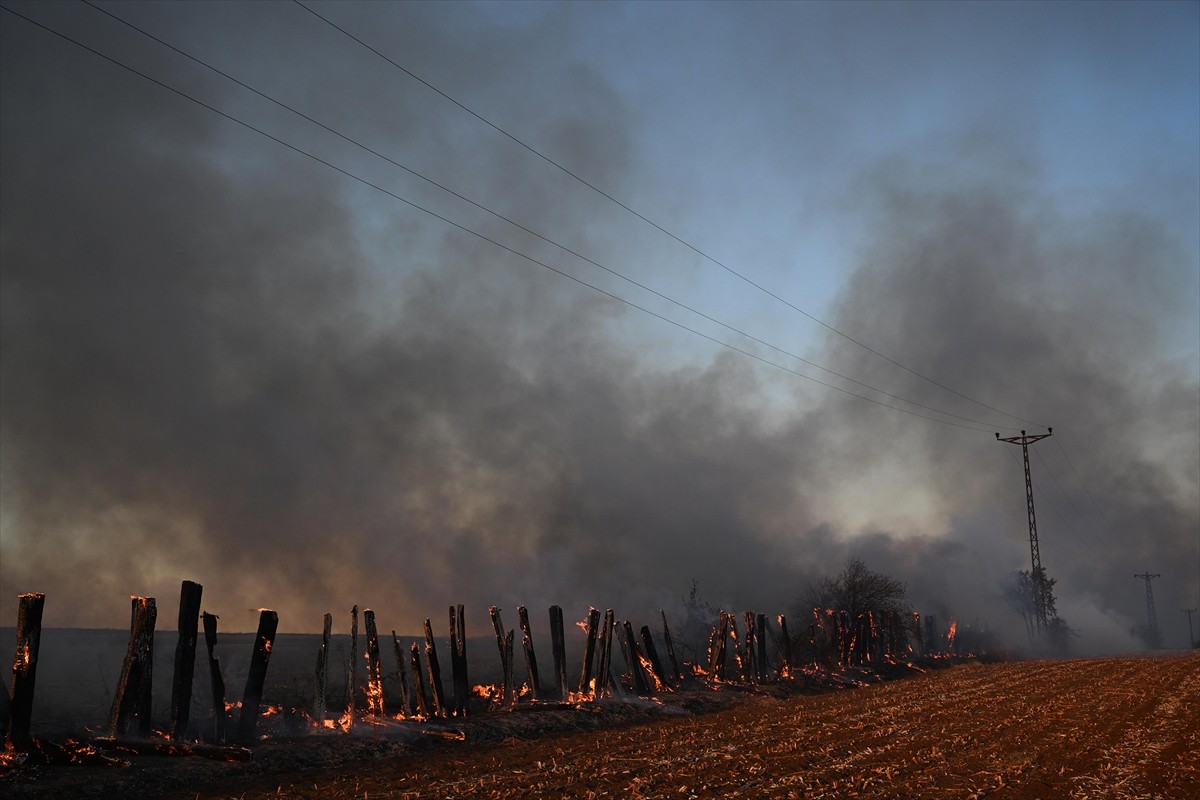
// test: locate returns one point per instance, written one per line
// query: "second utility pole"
(1038, 576)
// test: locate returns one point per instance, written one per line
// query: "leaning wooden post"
(589, 652)
(505, 666)
(374, 675)
(435, 672)
(640, 684)
(133, 696)
(535, 687)
(603, 668)
(418, 681)
(185, 658)
(320, 703)
(670, 648)
(656, 664)
(268, 624)
(510, 692)
(458, 660)
(558, 644)
(406, 698)
(29, 639)
(761, 639)
(215, 680)
(352, 668)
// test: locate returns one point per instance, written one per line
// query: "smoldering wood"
(422, 705)
(352, 668)
(531, 666)
(132, 700)
(406, 696)
(719, 659)
(652, 654)
(458, 660)
(604, 681)
(670, 648)
(214, 676)
(25, 660)
(558, 645)
(435, 672)
(785, 646)
(185, 658)
(640, 683)
(510, 694)
(264, 639)
(374, 671)
(749, 649)
(505, 665)
(760, 638)
(320, 703)
(589, 650)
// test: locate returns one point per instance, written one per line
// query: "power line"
(518, 225)
(655, 225)
(478, 235)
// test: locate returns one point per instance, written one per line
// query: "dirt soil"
(1089, 728)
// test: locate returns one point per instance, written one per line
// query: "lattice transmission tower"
(1153, 637)
(1035, 557)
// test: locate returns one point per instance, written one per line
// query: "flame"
(952, 632)
(648, 668)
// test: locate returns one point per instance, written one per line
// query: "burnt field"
(1104, 727)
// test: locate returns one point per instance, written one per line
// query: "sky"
(826, 253)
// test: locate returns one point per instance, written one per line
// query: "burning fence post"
(558, 644)
(406, 697)
(750, 649)
(589, 650)
(670, 648)
(716, 648)
(435, 672)
(29, 639)
(656, 664)
(268, 624)
(215, 679)
(458, 660)
(418, 681)
(535, 686)
(374, 674)
(352, 668)
(505, 659)
(760, 637)
(785, 649)
(320, 704)
(604, 668)
(185, 658)
(640, 684)
(133, 697)
(510, 693)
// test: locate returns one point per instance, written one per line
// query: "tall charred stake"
(185, 658)
(132, 701)
(29, 639)
(268, 624)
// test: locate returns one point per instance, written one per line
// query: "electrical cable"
(476, 234)
(658, 227)
(518, 225)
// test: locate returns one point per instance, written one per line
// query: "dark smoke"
(243, 371)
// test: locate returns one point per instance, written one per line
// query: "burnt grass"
(290, 746)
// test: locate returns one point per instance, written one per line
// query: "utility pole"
(1153, 637)
(1189, 612)
(1038, 576)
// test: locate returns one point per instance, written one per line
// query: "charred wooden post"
(505, 665)
(374, 671)
(738, 648)
(535, 685)
(352, 668)
(510, 693)
(656, 664)
(185, 658)
(418, 681)
(435, 672)
(785, 650)
(589, 651)
(268, 624)
(215, 680)
(558, 643)
(670, 648)
(406, 696)
(29, 641)
(320, 703)
(133, 696)
(750, 648)
(458, 660)
(760, 637)
(640, 684)
(716, 661)
(604, 681)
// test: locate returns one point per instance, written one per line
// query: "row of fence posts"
(835, 637)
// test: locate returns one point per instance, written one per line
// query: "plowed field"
(1094, 728)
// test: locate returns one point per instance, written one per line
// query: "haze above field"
(221, 360)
